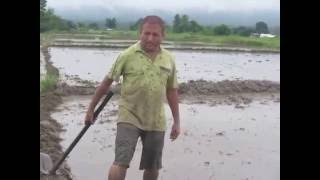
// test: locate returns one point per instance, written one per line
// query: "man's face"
(151, 37)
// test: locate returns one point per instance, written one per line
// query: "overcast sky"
(173, 5)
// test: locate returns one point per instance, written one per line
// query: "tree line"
(181, 23)
(50, 21)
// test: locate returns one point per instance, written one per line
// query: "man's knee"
(119, 167)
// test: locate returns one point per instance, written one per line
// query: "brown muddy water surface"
(230, 119)
(92, 64)
(220, 142)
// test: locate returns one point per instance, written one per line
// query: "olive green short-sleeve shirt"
(143, 90)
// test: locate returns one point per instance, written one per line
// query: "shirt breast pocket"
(165, 72)
(134, 72)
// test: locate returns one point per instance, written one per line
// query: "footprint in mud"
(238, 106)
(264, 102)
(192, 110)
(222, 133)
(106, 121)
(81, 106)
(200, 102)
(240, 129)
(245, 162)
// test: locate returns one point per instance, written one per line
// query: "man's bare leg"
(150, 174)
(117, 172)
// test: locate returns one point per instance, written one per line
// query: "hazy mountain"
(126, 16)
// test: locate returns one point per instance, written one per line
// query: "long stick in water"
(85, 128)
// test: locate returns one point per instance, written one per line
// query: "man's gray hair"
(153, 20)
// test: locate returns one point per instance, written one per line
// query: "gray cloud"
(171, 5)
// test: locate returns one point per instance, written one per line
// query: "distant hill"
(126, 16)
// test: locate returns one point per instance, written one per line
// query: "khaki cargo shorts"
(126, 140)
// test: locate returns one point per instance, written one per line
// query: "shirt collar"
(139, 49)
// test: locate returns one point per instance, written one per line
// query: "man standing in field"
(149, 77)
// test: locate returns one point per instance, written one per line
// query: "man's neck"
(153, 54)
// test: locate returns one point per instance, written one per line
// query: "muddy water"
(217, 142)
(42, 65)
(92, 64)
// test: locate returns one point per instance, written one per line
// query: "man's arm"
(100, 91)
(173, 101)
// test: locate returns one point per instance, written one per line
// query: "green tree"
(184, 24)
(43, 4)
(243, 31)
(71, 25)
(55, 22)
(50, 21)
(81, 25)
(111, 23)
(93, 26)
(194, 26)
(114, 22)
(262, 27)
(176, 24)
(207, 30)
(222, 30)
(136, 25)
(44, 26)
